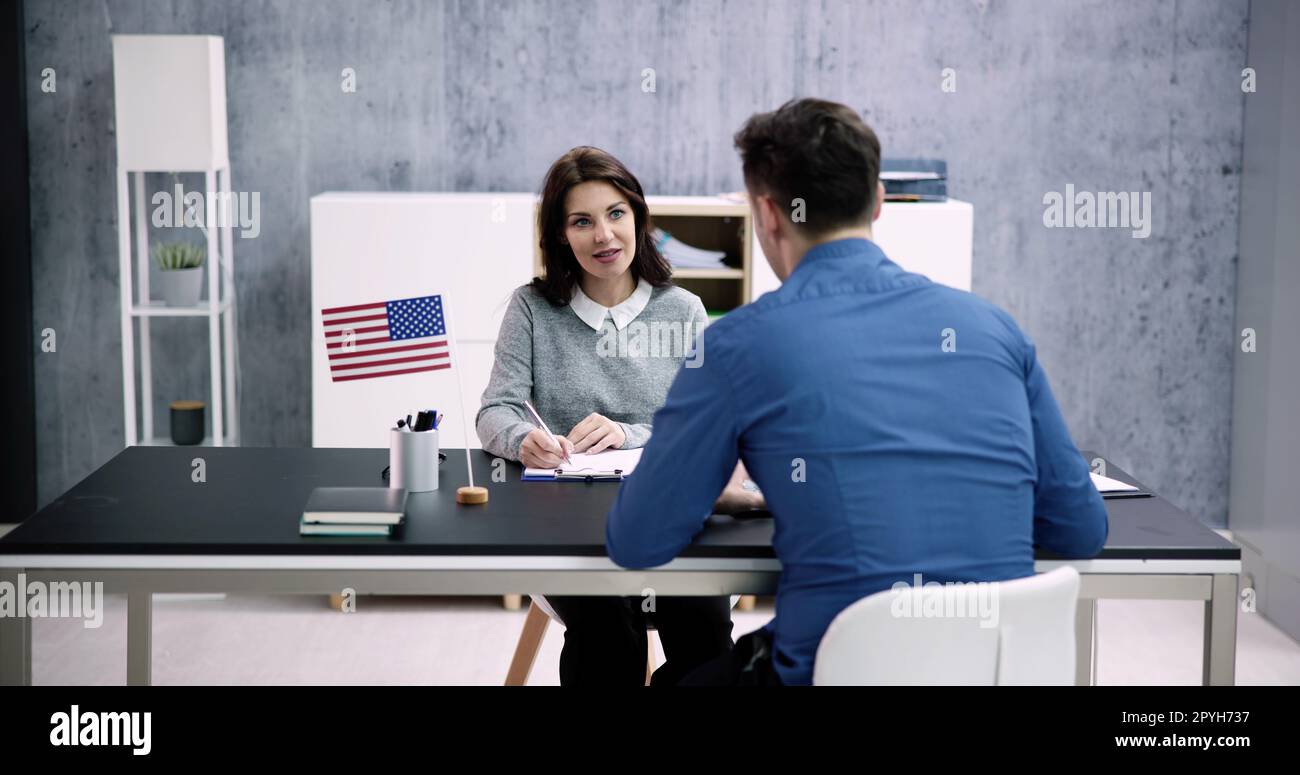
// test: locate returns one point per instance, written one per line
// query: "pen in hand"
(541, 424)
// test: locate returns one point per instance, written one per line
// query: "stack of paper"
(683, 256)
(1105, 484)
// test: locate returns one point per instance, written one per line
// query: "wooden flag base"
(471, 495)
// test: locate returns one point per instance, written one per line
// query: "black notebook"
(355, 506)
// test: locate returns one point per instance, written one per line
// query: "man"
(894, 426)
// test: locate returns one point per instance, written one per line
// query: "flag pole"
(470, 494)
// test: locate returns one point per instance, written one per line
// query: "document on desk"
(1105, 484)
(612, 464)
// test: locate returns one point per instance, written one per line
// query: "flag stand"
(468, 494)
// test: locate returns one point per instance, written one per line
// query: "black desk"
(142, 525)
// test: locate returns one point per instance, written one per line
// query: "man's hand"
(736, 498)
(538, 451)
(596, 433)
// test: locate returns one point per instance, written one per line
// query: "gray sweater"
(549, 356)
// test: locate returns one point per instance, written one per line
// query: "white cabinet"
(476, 248)
(930, 238)
(473, 249)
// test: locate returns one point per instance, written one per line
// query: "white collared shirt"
(625, 312)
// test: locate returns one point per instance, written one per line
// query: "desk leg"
(139, 638)
(15, 640)
(1219, 657)
(1085, 623)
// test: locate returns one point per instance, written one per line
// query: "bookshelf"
(709, 223)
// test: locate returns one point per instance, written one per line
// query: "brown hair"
(580, 165)
(816, 150)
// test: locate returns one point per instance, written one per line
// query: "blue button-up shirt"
(895, 427)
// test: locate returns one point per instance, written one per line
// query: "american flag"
(364, 341)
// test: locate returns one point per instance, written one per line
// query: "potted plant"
(182, 272)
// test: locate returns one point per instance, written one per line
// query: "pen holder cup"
(413, 460)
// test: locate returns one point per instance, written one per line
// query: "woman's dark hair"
(562, 271)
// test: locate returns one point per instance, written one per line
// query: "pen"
(437, 421)
(542, 424)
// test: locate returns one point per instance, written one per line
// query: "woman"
(556, 349)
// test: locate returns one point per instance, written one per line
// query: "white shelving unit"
(170, 95)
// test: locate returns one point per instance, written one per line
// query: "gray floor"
(396, 640)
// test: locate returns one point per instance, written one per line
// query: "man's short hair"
(819, 151)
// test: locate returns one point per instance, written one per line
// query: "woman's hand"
(538, 451)
(597, 433)
(736, 498)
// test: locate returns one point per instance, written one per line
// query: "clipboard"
(583, 475)
(586, 475)
(608, 466)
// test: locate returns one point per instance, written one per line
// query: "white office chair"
(539, 618)
(880, 639)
